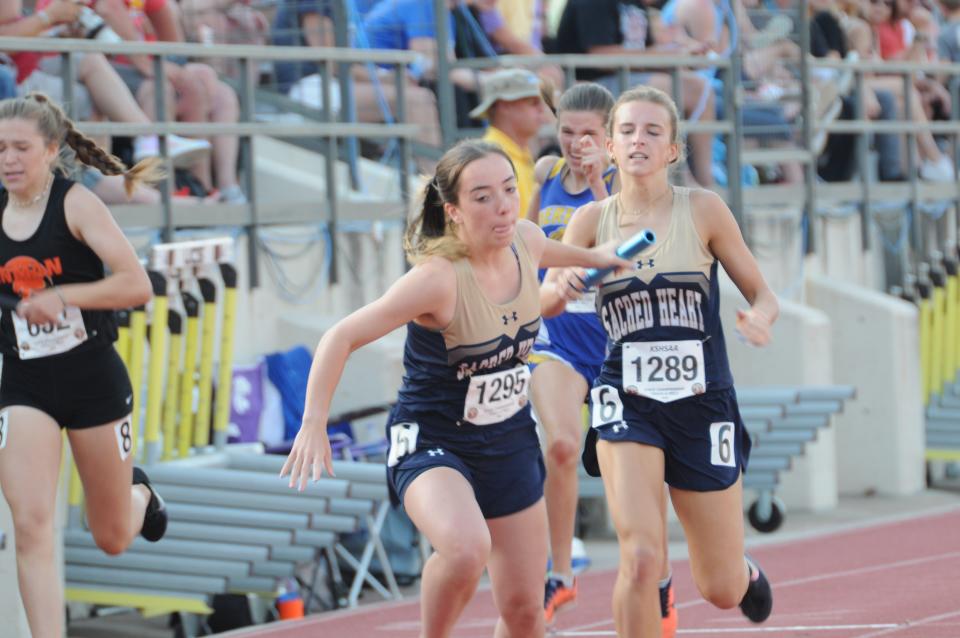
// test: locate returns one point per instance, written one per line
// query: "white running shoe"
(233, 195)
(939, 171)
(183, 151)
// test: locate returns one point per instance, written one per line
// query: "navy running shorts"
(505, 469)
(704, 442)
(77, 390)
(542, 354)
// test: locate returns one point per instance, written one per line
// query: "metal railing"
(327, 127)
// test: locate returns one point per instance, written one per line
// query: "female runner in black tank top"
(468, 224)
(60, 369)
(650, 427)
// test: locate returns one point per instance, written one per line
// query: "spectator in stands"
(310, 23)
(410, 25)
(510, 101)
(464, 461)
(225, 22)
(934, 164)
(98, 91)
(837, 162)
(948, 42)
(201, 95)
(623, 27)
(708, 21)
(900, 38)
(504, 39)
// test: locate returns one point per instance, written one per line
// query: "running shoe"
(757, 603)
(668, 611)
(558, 596)
(155, 518)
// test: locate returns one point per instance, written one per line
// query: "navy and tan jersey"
(51, 256)
(477, 363)
(662, 319)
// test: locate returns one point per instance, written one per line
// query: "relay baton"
(626, 250)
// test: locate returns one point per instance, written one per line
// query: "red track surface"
(899, 580)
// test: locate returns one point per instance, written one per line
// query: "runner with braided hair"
(60, 369)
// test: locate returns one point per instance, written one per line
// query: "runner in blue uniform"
(464, 457)
(664, 406)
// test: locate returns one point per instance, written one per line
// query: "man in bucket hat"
(510, 101)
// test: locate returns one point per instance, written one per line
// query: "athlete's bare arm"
(127, 284)
(426, 294)
(721, 235)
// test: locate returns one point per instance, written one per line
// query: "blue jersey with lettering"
(576, 334)
(671, 295)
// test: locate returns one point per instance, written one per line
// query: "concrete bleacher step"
(268, 502)
(142, 579)
(172, 563)
(943, 439)
(943, 414)
(176, 547)
(767, 448)
(813, 408)
(810, 422)
(234, 534)
(789, 436)
(230, 479)
(949, 401)
(769, 464)
(229, 516)
(762, 411)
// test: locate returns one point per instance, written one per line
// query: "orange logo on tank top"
(27, 274)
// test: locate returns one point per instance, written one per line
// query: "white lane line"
(778, 585)
(913, 623)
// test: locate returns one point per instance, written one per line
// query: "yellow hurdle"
(138, 336)
(937, 334)
(951, 359)
(926, 318)
(158, 348)
(225, 380)
(188, 380)
(171, 394)
(201, 431)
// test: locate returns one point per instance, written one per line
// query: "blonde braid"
(89, 152)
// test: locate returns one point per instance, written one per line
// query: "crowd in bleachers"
(764, 32)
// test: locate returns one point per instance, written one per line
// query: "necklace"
(650, 206)
(20, 203)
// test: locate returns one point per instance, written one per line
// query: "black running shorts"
(78, 390)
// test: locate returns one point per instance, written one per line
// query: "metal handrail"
(246, 215)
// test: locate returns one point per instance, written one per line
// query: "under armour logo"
(505, 318)
(640, 264)
(619, 427)
(436, 452)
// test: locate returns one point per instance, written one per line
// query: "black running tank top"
(52, 256)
